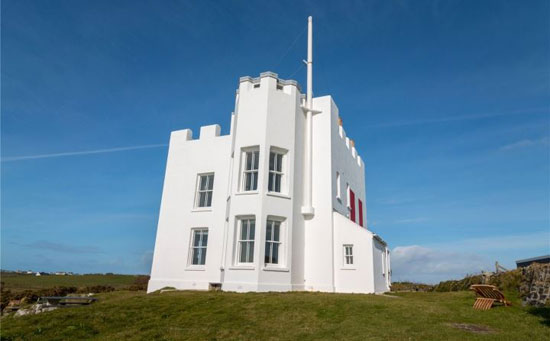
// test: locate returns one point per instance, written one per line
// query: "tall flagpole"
(307, 208)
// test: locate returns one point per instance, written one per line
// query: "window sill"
(202, 209)
(276, 269)
(242, 267)
(348, 269)
(247, 193)
(278, 195)
(191, 268)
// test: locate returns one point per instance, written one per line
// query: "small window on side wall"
(205, 189)
(199, 242)
(348, 255)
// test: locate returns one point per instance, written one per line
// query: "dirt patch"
(474, 328)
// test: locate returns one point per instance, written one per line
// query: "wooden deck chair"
(486, 295)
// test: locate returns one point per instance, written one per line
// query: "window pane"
(244, 230)
(267, 252)
(268, 231)
(270, 182)
(203, 256)
(278, 183)
(252, 229)
(242, 257)
(196, 238)
(256, 160)
(279, 162)
(202, 199)
(204, 238)
(276, 228)
(248, 182)
(203, 182)
(210, 182)
(254, 181)
(271, 161)
(248, 161)
(275, 255)
(208, 199)
(195, 257)
(250, 258)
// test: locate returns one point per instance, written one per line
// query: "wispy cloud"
(77, 153)
(411, 220)
(60, 247)
(428, 265)
(528, 111)
(526, 143)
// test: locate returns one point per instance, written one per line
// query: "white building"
(276, 205)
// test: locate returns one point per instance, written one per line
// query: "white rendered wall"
(186, 159)
(381, 268)
(265, 119)
(356, 278)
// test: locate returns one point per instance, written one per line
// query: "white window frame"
(348, 256)
(207, 191)
(270, 239)
(254, 173)
(249, 240)
(202, 249)
(273, 173)
(338, 189)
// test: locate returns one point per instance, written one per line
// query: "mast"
(307, 208)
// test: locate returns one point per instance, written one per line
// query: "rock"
(22, 312)
(535, 285)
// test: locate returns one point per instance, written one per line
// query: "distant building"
(526, 262)
(278, 204)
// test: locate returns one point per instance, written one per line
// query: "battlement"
(206, 133)
(255, 83)
(350, 144)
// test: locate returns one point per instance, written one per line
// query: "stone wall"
(535, 285)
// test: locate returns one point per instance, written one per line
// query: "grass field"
(124, 315)
(17, 282)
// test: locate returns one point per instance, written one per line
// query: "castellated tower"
(276, 205)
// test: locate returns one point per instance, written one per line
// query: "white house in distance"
(276, 205)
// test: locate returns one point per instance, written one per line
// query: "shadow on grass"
(543, 312)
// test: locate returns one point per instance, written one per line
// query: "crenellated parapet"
(206, 133)
(350, 144)
(270, 80)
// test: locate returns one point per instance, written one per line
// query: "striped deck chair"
(486, 295)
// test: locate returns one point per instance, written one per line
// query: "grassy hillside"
(17, 282)
(124, 315)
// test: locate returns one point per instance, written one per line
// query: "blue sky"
(448, 102)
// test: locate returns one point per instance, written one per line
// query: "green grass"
(124, 315)
(19, 282)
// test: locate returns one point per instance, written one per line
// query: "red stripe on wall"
(360, 212)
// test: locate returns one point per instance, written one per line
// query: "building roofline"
(532, 259)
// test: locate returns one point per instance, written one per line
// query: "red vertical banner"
(360, 204)
(352, 205)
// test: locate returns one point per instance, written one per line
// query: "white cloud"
(421, 264)
(84, 152)
(526, 143)
(432, 263)
(411, 220)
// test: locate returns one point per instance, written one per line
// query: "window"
(352, 205)
(337, 185)
(250, 176)
(348, 255)
(360, 204)
(199, 240)
(347, 195)
(272, 241)
(204, 190)
(275, 172)
(246, 240)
